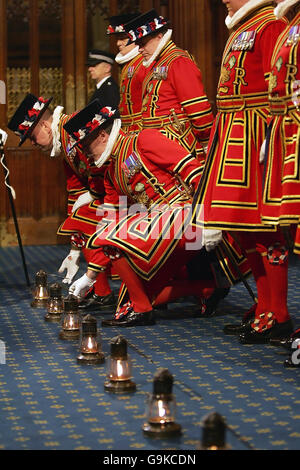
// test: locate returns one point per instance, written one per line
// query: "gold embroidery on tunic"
(225, 75)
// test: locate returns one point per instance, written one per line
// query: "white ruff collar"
(166, 38)
(283, 7)
(110, 143)
(231, 21)
(56, 143)
(123, 59)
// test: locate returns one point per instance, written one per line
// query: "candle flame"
(161, 409)
(119, 369)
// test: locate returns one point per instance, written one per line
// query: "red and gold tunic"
(157, 176)
(231, 190)
(131, 81)
(281, 199)
(174, 100)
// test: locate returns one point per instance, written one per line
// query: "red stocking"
(136, 290)
(277, 274)
(258, 270)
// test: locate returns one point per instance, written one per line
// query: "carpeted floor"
(49, 402)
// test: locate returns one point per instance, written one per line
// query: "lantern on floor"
(55, 304)
(90, 348)
(119, 368)
(213, 433)
(40, 291)
(161, 408)
(71, 319)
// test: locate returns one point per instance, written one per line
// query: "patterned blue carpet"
(49, 402)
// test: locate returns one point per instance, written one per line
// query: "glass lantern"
(161, 408)
(40, 291)
(55, 304)
(89, 348)
(119, 368)
(213, 433)
(71, 319)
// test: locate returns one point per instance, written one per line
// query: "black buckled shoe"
(209, 305)
(131, 319)
(237, 329)
(97, 302)
(279, 330)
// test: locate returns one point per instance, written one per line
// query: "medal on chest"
(244, 41)
(160, 73)
(131, 165)
(294, 35)
(70, 149)
(130, 72)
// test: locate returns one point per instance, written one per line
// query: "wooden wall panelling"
(38, 180)
(146, 5)
(113, 7)
(219, 12)
(34, 52)
(33, 205)
(113, 10)
(68, 54)
(80, 54)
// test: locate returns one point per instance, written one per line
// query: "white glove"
(3, 136)
(83, 199)
(81, 286)
(262, 152)
(71, 264)
(211, 238)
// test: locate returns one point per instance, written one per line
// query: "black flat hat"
(27, 116)
(117, 22)
(95, 56)
(144, 25)
(87, 120)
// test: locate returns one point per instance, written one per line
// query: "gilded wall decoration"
(51, 84)
(18, 9)
(93, 5)
(18, 85)
(124, 6)
(19, 81)
(50, 8)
